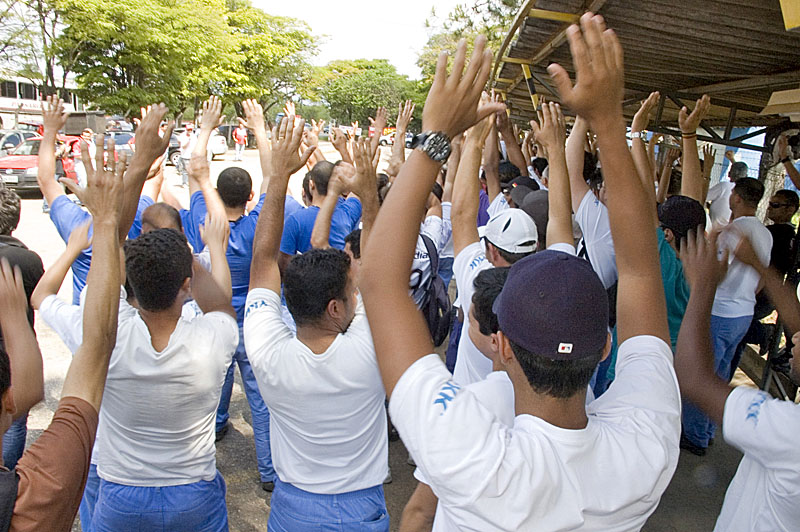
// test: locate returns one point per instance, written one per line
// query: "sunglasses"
(776, 205)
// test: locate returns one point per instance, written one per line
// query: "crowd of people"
(604, 296)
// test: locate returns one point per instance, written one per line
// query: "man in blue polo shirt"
(297, 231)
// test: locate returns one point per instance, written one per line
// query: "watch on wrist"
(434, 144)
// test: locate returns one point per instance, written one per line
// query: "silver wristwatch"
(434, 144)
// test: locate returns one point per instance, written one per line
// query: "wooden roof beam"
(756, 82)
(558, 16)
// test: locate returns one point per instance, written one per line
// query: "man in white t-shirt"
(322, 386)
(542, 473)
(763, 494)
(187, 141)
(734, 301)
(718, 197)
(156, 431)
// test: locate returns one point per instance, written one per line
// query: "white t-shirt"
(736, 294)
(187, 144)
(608, 476)
(156, 426)
(447, 251)
(592, 218)
(438, 231)
(327, 414)
(719, 197)
(498, 204)
(764, 494)
(471, 364)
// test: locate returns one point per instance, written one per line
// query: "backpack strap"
(433, 255)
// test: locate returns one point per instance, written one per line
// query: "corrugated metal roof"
(737, 51)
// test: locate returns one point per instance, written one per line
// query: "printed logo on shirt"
(255, 305)
(754, 410)
(477, 261)
(564, 349)
(447, 394)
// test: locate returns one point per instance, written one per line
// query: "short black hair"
(675, 182)
(750, 190)
(312, 280)
(681, 214)
(157, 264)
(539, 164)
(488, 285)
(790, 197)
(738, 171)
(9, 210)
(557, 378)
(508, 172)
(590, 170)
(321, 175)
(509, 257)
(354, 239)
(157, 210)
(307, 187)
(234, 185)
(5, 370)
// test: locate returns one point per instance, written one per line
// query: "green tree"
(353, 89)
(129, 53)
(274, 52)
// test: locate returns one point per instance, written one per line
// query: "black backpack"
(8, 497)
(436, 306)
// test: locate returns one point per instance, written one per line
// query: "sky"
(365, 29)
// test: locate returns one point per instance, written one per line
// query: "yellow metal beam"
(526, 71)
(515, 60)
(554, 15)
(504, 80)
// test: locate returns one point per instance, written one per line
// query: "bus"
(20, 103)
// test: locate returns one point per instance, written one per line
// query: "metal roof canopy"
(736, 51)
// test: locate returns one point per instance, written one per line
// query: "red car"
(18, 169)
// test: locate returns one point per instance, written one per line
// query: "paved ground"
(691, 503)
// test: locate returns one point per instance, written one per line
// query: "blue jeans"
(296, 510)
(89, 499)
(726, 333)
(258, 409)
(14, 441)
(452, 346)
(183, 169)
(196, 507)
(446, 269)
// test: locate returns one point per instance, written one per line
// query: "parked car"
(11, 138)
(387, 140)
(409, 138)
(123, 141)
(18, 169)
(217, 145)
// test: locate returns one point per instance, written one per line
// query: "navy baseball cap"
(554, 305)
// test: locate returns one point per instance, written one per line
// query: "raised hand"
(599, 73)
(404, 115)
(379, 122)
(254, 116)
(13, 301)
(452, 105)
(783, 147)
(354, 125)
(289, 109)
(215, 231)
(79, 238)
(701, 263)
(212, 111)
(642, 116)
(673, 155)
(365, 178)
(103, 193)
(709, 155)
(150, 145)
(689, 122)
(311, 136)
(53, 115)
(286, 139)
(551, 131)
(199, 168)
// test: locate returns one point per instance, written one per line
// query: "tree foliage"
(491, 18)
(353, 89)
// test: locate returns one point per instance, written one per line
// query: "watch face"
(437, 146)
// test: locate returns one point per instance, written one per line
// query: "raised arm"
(552, 133)
(27, 379)
(597, 95)
(639, 151)
(215, 232)
(491, 163)
(398, 329)
(54, 118)
(666, 174)
(365, 187)
(515, 155)
(86, 377)
(53, 277)
(341, 177)
(452, 168)
(150, 145)
(692, 183)
(574, 153)
(340, 142)
(709, 155)
(254, 121)
(285, 161)
(378, 124)
(404, 115)
(785, 155)
(311, 139)
(694, 354)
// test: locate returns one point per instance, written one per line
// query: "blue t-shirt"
(298, 227)
(66, 216)
(240, 247)
(676, 294)
(291, 206)
(190, 229)
(483, 208)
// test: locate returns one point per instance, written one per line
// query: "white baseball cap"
(511, 230)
